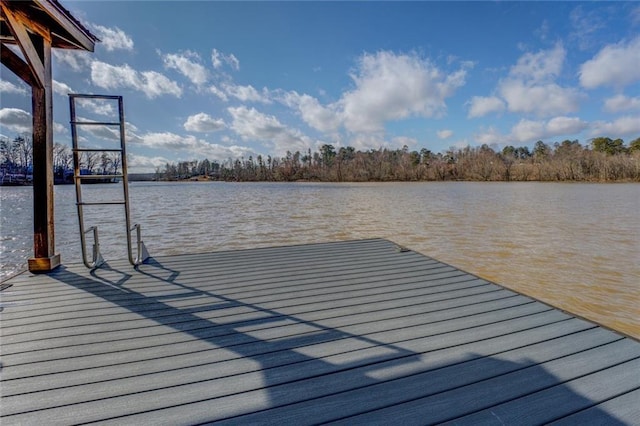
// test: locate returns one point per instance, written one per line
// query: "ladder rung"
(95, 123)
(80, 95)
(98, 176)
(100, 203)
(97, 150)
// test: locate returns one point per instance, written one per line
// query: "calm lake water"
(575, 246)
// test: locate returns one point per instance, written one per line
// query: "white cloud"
(558, 126)
(325, 119)
(60, 128)
(20, 121)
(60, 88)
(366, 141)
(627, 126)
(541, 66)
(218, 59)
(250, 124)
(616, 65)
(218, 92)
(243, 93)
(101, 132)
(144, 164)
(189, 146)
(445, 134)
(8, 87)
(113, 38)
(98, 107)
(77, 60)
(530, 88)
(16, 120)
(114, 77)
(389, 87)
(108, 133)
(528, 131)
(188, 64)
(540, 99)
(156, 84)
(621, 103)
(168, 140)
(204, 123)
(151, 83)
(247, 93)
(490, 136)
(103, 107)
(480, 106)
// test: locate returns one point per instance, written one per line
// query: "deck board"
(354, 331)
(622, 409)
(574, 395)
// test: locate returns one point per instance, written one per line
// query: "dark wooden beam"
(17, 65)
(18, 28)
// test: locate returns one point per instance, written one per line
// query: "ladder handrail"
(97, 258)
(142, 253)
(141, 250)
(99, 150)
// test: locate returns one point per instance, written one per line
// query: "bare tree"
(89, 160)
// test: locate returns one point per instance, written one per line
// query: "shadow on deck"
(414, 343)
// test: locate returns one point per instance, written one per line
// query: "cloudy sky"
(223, 80)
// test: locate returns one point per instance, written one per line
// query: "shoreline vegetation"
(604, 160)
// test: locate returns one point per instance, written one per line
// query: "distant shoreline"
(211, 180)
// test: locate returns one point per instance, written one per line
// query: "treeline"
(16, 157)
(603, 160)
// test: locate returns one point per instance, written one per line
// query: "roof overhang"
(48, 19)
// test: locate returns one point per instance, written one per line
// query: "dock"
(351, 332)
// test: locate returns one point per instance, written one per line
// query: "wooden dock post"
(44, 257)
(36, 27)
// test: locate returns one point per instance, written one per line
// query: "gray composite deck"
(353, 332)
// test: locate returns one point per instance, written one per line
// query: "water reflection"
(574, 245)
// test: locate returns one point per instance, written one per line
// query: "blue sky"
(223, 80)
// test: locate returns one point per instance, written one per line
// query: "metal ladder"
(96, 258)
